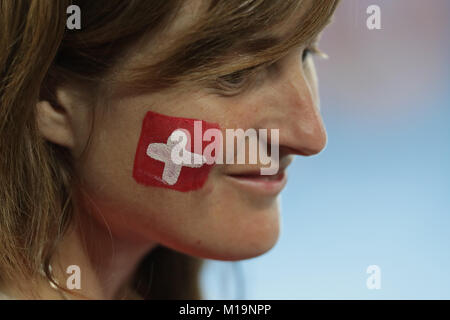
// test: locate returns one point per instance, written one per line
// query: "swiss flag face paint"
(161, 138)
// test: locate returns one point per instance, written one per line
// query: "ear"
(54, 124)
(58, 122)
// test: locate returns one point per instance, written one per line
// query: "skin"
(119, 220)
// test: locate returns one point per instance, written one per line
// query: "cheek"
(214, 221)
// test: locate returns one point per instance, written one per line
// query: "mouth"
(260, 184)
(249, 179)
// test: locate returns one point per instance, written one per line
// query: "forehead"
(288, 27)
(151, 45)
(191, 12)
(183, 22)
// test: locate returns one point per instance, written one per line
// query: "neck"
(106, 262)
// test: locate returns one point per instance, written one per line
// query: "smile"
(260, 184)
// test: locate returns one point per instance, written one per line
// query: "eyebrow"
(258, 44)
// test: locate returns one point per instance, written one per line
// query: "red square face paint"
(170, 153)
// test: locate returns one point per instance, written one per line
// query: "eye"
(235, 79)
(312, 50)
(307, 52)
(235, 82)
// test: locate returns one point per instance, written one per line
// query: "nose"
(302, 130)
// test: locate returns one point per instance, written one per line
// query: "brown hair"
(38, 52)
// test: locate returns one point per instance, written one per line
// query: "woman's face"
(231, 217)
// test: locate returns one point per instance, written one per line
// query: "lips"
(255, 170)
(250, 179)
(255, 183)
(258, 177)
(259, 184)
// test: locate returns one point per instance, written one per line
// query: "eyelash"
(230, 86)
(307, 52)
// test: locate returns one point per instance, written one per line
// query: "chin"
(241, 236)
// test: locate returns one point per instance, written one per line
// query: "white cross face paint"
(175, 156)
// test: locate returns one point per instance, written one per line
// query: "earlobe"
(54, 124)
